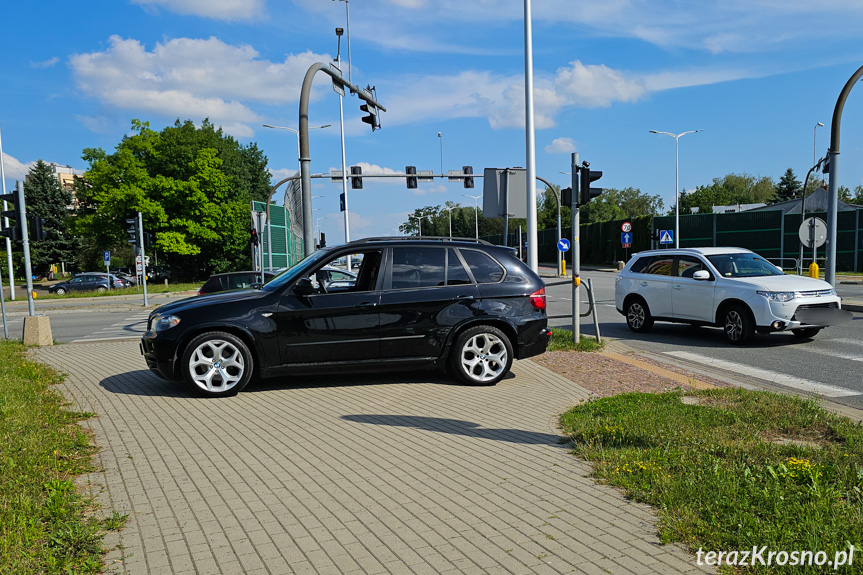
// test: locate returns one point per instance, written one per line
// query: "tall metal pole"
(576, 254)
(344, 162)
(815, 145)
(475, 213)
(532, 251)
(25, 236)
(3, 306)
(6, 225)
(440, 137)
(143, 256)
(833, 195)
(676, 180)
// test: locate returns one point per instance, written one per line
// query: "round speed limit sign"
(626, 227)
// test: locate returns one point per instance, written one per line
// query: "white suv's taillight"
(537, 298)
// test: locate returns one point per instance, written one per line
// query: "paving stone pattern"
(349, 474)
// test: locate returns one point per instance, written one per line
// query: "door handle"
(678, 287)
(464, 297)
(367, 305)
(643, 284)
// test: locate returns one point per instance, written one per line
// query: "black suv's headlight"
(164, 322)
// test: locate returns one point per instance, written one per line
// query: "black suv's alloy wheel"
(217, 364)
(482, 355)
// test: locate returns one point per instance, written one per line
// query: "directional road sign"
(563, 244)
(626, 237)
(666, 236)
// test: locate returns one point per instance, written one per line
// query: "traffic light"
(255, 239)
(13, 232)
(468, 179)
(132, 230)
(323, 240)
(411, 171)
(35, 226)
(566, 197)
(356, 178)
(372, 117)
(587, 176)
(148, 240)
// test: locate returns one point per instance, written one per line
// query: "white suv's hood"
(781, 283)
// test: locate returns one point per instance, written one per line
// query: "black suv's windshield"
(293, 273)
(743, 266)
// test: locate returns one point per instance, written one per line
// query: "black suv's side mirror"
(304, 287)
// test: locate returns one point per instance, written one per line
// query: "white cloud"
(96, 124)
(50, 63)
(14, 169)
(216, 9)
(193, 78)
(439, 189)
(561, 146)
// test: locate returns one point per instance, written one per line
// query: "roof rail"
(415, 238)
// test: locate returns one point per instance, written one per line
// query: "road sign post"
(107, 257)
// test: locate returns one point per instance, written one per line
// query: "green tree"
(619, 204)
(728, 190)
(789, 187)
(46, 199)
(197, 210)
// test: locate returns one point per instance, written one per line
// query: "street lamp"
(475, 211)
(676, 180)
(419, 220)
(449, 209)
(339, 33)
(440, 137)
(318, 226)
(814, 145)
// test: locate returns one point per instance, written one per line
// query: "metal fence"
(287, 247)
(771, 234)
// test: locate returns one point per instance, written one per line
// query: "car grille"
(831, 304)
(816, 293)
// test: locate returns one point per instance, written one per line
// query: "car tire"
(738, 324)
(101, 289)
(482, 355)
(638, 316)
(806, 332)
(217, 364)
(60, 291)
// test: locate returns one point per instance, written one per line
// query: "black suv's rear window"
(483, 267)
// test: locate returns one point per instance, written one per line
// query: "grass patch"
(731, 469)
(46, 526)
(561, 340)
(151, 289)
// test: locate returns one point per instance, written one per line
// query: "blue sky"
(755, 75)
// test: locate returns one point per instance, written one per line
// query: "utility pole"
(576, 253)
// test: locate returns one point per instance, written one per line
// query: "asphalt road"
(834, 358)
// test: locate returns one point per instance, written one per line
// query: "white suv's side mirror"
(701, 275)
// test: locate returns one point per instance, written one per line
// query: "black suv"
(458, 304)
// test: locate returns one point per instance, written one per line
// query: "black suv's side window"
(418, 266)
(483, 267)
(455, 272)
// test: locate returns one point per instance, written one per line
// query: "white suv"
(731, 288)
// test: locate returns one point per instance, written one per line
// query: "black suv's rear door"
(427, 292)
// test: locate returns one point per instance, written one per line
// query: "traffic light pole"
(25, 245)
(6, 225)
(576, 254)
(143, 256)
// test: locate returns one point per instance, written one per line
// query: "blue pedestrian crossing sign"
(563, 244)
(666, 236)
(626, 238)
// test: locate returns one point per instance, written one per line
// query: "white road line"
(836, 354)
(772, 376)
(847, 341)
(98, 338)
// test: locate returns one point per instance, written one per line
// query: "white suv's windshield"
(743, 266)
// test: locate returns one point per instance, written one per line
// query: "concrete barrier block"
(620, 265)
(37, 331)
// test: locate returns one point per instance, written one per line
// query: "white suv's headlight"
(778, 295)
(165, 322)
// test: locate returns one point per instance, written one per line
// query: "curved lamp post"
(676, 180)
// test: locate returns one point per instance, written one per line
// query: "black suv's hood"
(214, 299)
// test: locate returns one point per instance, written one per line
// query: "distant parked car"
(128, 279)
(234, 280)
(158, 273)
(91, 281)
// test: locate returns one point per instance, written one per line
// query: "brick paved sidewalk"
(350, 474)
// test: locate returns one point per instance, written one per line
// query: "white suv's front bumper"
(778, 316)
